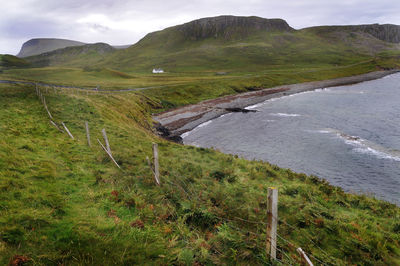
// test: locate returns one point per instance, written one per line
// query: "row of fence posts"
(272, 196)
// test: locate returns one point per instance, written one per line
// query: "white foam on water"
(324, 131)
(225, 115)
(367, 147)
(252, 106)
(204, 124)
(284, 114)
(379, 154)
(184, 135)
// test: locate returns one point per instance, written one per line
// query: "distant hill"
(7, 61)
(121, 46)
(43, 45)
(386, 32)
(230, 43)
(84, 55)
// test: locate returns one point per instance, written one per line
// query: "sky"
(121, 22)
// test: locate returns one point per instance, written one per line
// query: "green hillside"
(85, 55)
(10, 61)
(246, 51)
(234, 44)
(63, 202)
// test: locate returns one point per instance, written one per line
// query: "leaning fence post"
(272, 221)
(156, 165)
(87, 133)
(66, 129)
(54, 124)
(109, 154)
(47, 109)
(304, 257)
(106, 140)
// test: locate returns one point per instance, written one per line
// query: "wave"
(204, 124)
(287, 96)
(184, 135)
(284, 114)
(378, 154)
(365, 146)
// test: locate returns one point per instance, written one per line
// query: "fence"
(274, 242)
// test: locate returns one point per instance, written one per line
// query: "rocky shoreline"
(171, 124)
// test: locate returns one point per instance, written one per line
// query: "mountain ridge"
(42, 45)
(236, 42)
(90, 52)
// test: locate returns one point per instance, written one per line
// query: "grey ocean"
(348, 135)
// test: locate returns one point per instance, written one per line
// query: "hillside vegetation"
(10, 61)
(63, 202)
(89, 54)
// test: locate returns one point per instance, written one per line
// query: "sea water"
(348, 135)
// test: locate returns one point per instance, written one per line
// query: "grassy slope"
(7, 61)
(62, 202)
(260, 51)
(84, 56)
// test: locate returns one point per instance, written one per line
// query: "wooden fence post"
(272, 221)
(156, 165)
(87, 133)
(304, 256)
(66, 129)
(47, 109)
(103, 131)
(109, 154)
(54, 124)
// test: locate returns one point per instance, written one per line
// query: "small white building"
(158, 70)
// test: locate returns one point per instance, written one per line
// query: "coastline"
(173, 123)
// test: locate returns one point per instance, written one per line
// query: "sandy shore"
(175, 122)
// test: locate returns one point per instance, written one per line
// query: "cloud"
(125, 22)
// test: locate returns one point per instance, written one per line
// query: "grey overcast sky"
(126, 21)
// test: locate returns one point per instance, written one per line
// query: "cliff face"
(231, 27)
(386, 32)
(39, 46)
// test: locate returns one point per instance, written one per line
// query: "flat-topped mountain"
(83, 55)
(230, 27)
(43, 45)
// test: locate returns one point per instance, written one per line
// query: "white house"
(158, 70)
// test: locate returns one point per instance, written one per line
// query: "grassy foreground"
(62, 202)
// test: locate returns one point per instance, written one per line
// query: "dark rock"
(240, 110)
(166, 134)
